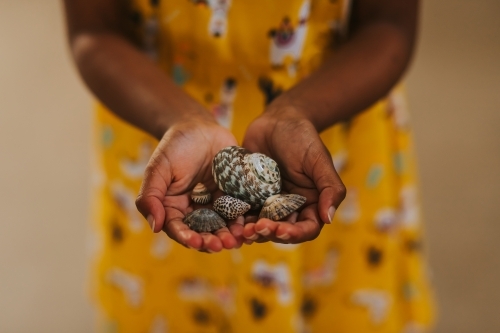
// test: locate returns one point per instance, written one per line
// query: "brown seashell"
(249, 177)
(204, 220)
(200, 194)
(230, 208)
(281, 205)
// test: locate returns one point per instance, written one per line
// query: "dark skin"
(361, 71)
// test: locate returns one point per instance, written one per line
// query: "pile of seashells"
(251, 181)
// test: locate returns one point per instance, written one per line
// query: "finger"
(318, 165)
(307, 228)
(211, 243)
(266, 227)
(249, 232)
(302, 231)
(227, 239)
(236, 229)
(153, 189)
(270, 229)
(292, 218)
(251, 217)
(252, 236)
(181, 233)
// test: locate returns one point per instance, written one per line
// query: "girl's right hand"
(182, 159)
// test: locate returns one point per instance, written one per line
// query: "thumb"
(328, 183)
(153, 189)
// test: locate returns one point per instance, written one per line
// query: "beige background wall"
(454, 90)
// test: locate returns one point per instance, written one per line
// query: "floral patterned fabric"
(364, 273)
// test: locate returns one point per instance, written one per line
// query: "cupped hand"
(306, 168)
(182, 159)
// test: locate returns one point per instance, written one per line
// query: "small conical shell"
(204, 220)
(230, 208)
(279, 206)
(200, 194)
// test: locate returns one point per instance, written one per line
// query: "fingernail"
(151, 222)
(331, 213)
(264, 232)
(253, 237)
(284, 236)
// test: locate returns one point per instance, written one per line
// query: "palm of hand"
(182, 159)
(306, 169)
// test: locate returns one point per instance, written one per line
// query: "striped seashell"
(200, 194)
(280, 206)
(204, 220)
(249, 177)
(230, 208)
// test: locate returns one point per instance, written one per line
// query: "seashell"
(204, 220)
(281, 205)
(230, 208)
(249, 177)
(200, 194)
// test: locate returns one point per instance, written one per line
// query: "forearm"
(356, 76)
(131, 85)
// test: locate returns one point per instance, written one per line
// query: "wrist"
(280, 112)
(286, 106)
(281, 121)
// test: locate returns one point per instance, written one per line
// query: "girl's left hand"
(306, 168)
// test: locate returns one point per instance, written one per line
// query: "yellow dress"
(364, 273)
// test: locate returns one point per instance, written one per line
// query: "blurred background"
(45, 118)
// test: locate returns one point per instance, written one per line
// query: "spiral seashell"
(281, 205)
(230, 208)
(200, 194)
(249, 177)
(204, 220)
